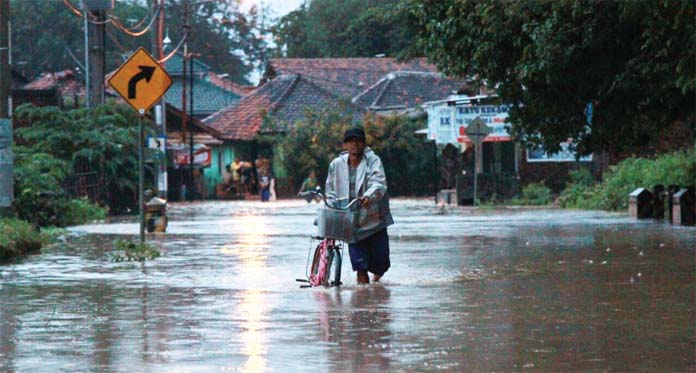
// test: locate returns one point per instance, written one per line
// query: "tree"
(310, 145)
(102, 139)
(48, 36)
(632, 59)
(341, 28)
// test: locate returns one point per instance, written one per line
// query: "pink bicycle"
(335, 227)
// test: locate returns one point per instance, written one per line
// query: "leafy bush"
(677, 168)
(577, 192)
(17, 238)
(312, 143)
(536, 194)
(133, 252)
(81, 210)
(39, 197)
(55, 144)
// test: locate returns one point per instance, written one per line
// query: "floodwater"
(469, 290)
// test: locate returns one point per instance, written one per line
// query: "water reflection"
(249, 250)
(358, 330)
(253, 311)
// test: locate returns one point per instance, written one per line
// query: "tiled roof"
(407, 89)
(207, 97)
(347, 77)
(224, 83)
(243, 121)
(64, 81)
(174, 66)
(286, 98)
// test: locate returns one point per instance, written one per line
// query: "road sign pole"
(476, 151)
(141, 172)
(477, 130)
(141, 81)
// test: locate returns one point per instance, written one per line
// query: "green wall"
(222, 155)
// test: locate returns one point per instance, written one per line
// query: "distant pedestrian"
(358, 173)
(265, 176)
(309, 185)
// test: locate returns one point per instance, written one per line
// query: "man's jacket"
(370, 181)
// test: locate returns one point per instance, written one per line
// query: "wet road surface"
(514, 290)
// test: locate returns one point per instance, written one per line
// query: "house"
(292, 86)
(211, 93)
(44, 91)
(203, 142)
(403, 92)
(69, 86)
(285, 98)
(505, 165)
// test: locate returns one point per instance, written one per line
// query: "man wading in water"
(358, 173)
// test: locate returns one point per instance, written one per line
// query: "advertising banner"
(447, 124)
(201, 158)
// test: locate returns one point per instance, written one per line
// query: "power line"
(130, 32)
(173, 52)
(70, 53)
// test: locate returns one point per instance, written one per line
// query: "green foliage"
(127, 251)
(342, 28)
(550, 58)
(408, 160)
(55, 143)
(17, 238)
(311, 144)
(612, 194)
(535, 194)
(577, 192)
(81, 210)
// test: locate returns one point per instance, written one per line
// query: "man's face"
(354, 146)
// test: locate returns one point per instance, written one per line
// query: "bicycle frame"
(326, 252)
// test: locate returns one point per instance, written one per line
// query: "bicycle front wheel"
(321, 266)
(336, 263)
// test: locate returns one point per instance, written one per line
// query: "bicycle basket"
(336, 224)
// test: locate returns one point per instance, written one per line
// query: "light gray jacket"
(370, 181)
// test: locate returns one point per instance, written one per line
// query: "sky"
(279, 7)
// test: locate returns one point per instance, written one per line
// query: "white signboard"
(440, 124)
(447, 124)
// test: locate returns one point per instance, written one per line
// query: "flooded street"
(469, 290)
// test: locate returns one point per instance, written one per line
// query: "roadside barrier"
(677, 203)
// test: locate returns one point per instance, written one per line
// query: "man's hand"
(365, 201)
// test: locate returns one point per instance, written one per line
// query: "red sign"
(201, 158)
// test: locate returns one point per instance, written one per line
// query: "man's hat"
(356, 132)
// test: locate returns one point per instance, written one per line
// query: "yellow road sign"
(141, 81)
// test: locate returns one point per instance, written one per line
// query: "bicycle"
(335, 227)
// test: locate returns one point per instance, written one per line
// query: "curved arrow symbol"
(145, 73)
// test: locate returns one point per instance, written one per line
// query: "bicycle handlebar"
(318, 192)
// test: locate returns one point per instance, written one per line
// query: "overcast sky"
(279, 8)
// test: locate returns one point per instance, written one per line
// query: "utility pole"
(6, 140)
(193, 183)
(161, 107)
(97, 31)
(184, 118)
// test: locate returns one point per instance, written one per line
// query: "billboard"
(447, 124)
